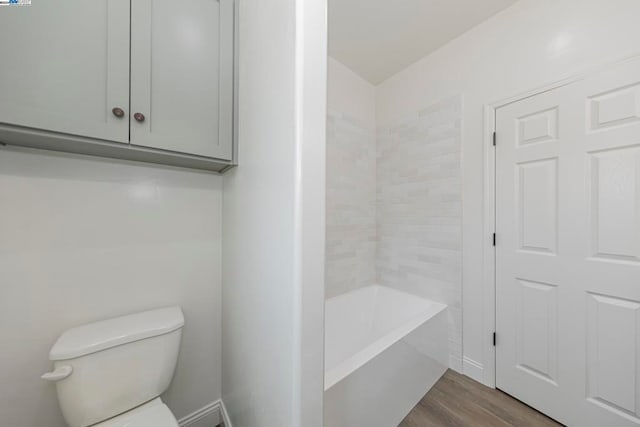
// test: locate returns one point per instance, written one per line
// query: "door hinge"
(494, 339)
(494, 239)
(494, 138)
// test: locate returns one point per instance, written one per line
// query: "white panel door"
(182, 76)
(64, 67)
(568, 250)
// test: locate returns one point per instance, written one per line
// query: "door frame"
(489, 208)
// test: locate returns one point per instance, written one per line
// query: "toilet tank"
(116, 364)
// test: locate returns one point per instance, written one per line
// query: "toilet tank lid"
(98, 336)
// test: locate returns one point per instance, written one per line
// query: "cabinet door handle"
(139, 117)
(118, 112)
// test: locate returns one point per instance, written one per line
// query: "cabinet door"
(182, 76)
(64, 67)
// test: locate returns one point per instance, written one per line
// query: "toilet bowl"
(111, 373)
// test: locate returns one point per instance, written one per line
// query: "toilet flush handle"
(58, 374)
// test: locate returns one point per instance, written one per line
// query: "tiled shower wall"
(394, 207)
(351, 204)
(419, 210)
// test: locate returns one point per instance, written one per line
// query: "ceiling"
(378, 38)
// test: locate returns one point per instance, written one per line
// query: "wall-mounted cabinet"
(146, 80)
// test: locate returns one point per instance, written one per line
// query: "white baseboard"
(225, 415)
(207, 416)
(473, 369)
(456, 364)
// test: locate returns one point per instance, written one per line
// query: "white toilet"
(111, 373)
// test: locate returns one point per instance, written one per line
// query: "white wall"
(350, 94)
(273, 244)
(351, 182)
(530, 44)
(83, 239)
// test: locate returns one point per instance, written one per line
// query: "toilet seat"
(151, 414)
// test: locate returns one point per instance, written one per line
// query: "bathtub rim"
(352, 363)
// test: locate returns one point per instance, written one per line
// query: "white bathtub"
(384, 349)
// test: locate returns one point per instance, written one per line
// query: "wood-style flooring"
(459, 401)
